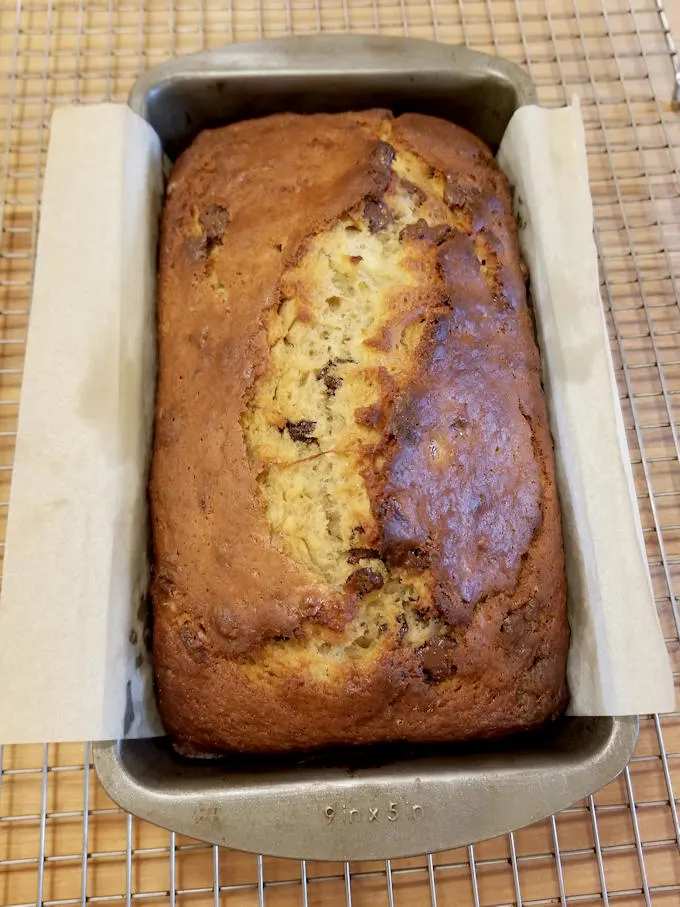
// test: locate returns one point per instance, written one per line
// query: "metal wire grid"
(61, 840)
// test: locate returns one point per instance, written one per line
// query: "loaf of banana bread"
(355, 518)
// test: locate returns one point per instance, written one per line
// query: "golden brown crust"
(454, 450)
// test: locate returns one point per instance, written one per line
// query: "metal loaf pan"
(384, 801)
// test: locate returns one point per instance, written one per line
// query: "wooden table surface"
(61, 839)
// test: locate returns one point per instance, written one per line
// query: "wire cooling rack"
(61, 840)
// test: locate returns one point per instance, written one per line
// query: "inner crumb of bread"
(342, 341)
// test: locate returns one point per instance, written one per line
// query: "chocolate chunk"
(357, 554)
(457, 195)
(196, 248)
(363, 581)
(379, 168)
(302, 431)
(214, 221)
(422, 230)
(377, 215)
(523, 622)
(437, 659)
(403, 626)
(469, 199)
(415, 192)
(192, 641)
(382, 156)
(332, 383)
(406, 554)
